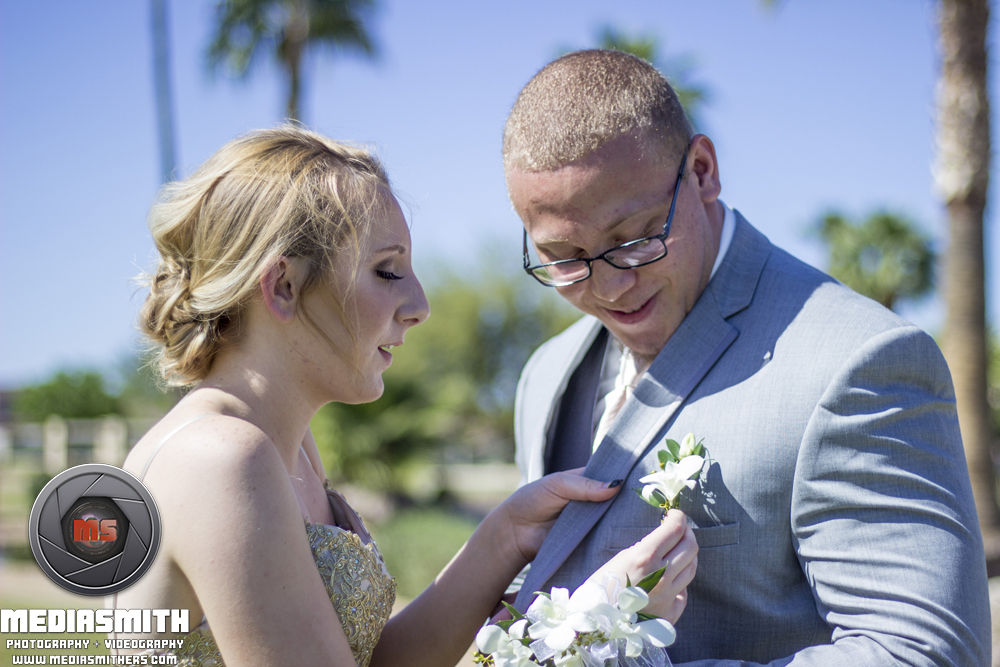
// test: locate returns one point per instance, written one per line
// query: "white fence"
(57, 443)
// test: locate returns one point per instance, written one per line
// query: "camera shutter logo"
(94, 529)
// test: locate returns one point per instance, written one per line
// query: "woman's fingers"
(572, 485)
(667, 535)
(669, 598)
(532, 509)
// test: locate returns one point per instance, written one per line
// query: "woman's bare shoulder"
(207, 443)
(211, 471)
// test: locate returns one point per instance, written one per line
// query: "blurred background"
(844, 132)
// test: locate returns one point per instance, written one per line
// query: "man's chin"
(642, 349)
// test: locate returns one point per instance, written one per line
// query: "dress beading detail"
(360, 587)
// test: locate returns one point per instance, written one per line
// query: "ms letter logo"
(94, 529)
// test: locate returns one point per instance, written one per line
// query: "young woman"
(284, 283)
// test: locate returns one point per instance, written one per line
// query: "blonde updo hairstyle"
(271, 193)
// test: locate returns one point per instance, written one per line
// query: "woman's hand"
(529, 512)
(671, 544)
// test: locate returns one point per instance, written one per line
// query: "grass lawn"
(417, 543)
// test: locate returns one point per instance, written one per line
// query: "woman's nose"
(415, 308)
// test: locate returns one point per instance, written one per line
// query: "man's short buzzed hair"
(583, 100)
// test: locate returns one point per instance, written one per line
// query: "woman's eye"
(387, 275)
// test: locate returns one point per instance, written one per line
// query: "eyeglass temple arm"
(673, 200)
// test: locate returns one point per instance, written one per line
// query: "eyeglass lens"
(626, 256)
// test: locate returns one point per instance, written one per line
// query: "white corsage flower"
(557, 619)
(506, 647)
(596, 624)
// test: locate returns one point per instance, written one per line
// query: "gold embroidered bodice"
(361, 589)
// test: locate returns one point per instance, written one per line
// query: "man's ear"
(705, 167)
(280, 289)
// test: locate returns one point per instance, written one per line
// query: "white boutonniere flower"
(680, 465)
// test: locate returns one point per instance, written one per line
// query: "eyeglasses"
(629, 255)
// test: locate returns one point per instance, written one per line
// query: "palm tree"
(962, 179)
(885, 257)
(287, 28)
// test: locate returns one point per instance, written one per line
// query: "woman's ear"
(279, 286)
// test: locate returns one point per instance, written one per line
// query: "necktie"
(628, 377)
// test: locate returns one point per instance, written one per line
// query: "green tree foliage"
(679, 70)
(286, 29)
(140, 393)
(450, 389)
(885, 257)
(72, 395)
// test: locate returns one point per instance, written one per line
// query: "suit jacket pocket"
(717, 536)
(622, 537)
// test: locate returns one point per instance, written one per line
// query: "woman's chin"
(371, 390)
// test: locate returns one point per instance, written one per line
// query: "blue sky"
(814, 106)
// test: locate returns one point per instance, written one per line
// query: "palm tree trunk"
(292, 111)
(296, 36)
(161, 77)
(962, 177)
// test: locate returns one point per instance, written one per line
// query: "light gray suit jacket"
(836, 523)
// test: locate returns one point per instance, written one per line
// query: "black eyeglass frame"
(661, 237)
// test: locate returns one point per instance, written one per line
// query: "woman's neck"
(256, 389)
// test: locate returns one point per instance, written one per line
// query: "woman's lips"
(384, 351)
(634, 316)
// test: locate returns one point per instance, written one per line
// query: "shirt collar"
(728, 227)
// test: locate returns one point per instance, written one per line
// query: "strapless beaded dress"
(352, 568)
(354, 573)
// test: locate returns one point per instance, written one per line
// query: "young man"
(835, 521)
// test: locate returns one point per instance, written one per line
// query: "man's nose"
(608, 283)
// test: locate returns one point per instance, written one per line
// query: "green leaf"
(628, 582)
(513, 611)
(645, 617)
(675, 449)
(547, 596)
(699, 449)
(653, 502)
(664, 456)
(650, 580)
(505, 625)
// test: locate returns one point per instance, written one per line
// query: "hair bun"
(284, 191)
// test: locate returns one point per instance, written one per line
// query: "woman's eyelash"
(387, 275)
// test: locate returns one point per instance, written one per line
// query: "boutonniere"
(680, 465)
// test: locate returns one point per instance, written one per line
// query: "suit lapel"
(689, 354)
(551, 384)
(692, 350)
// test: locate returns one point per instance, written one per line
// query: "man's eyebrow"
(614, 223)
(607, 229)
